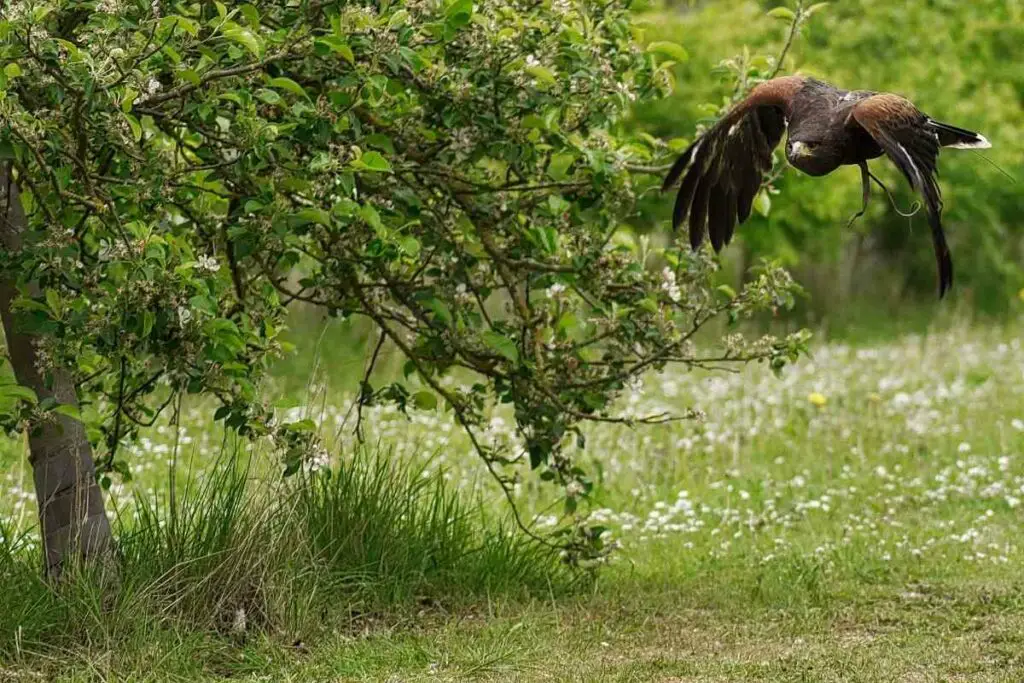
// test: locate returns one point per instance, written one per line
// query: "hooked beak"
(799, 149)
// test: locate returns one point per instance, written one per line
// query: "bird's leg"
(865, 179)
(914, 208)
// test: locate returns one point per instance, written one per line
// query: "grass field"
(856, 520)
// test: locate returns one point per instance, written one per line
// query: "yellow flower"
(817, 399)
(874, 398)
(1020, 295)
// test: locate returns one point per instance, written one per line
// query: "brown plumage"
(723, 169)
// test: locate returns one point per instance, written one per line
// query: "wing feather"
(699, 211)
(900, 129)
(722, 170)
(720, 216)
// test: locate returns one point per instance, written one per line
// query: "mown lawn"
(855, 520)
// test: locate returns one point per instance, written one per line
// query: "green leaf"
(782, 13)
(244, 37)
(55, 304)
(424, 400)
(567, 321)
(459, 13)
(727, 290)
(128, 99)
(672, 50)
(288, 84)
(19, 392)
(439, 309)
(380, 141)
(69, 410)
(372, 161)
(312, 215)
(559, 166)
(502, 344)
(12, 70)
(268, 96)
(148, 319)
(814, 8)
(133, 125)
(251, 14)
(542, 74)
(369, 214)
(763, 203)
(337, 46)
(410, 245)
(306, 425)
(191, 77)
(179, 22)
(399, 18)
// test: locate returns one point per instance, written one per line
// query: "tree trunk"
(72, 519)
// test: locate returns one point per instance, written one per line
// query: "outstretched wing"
(722, 170)
(903, 134)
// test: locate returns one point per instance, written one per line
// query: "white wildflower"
(208, 264)
(669, 285)
(554, 290)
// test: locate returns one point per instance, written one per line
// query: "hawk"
(723, 169)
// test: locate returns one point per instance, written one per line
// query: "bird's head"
(813, 157)
(800, 149)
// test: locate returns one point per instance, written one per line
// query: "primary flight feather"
(723, 169)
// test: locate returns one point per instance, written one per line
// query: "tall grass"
(233, 554)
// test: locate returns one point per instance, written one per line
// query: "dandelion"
(817, 399)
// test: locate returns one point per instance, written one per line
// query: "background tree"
(879, 263)
(455, 172)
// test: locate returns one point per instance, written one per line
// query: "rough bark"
(72, 519)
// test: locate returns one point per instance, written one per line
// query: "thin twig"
(364, 385)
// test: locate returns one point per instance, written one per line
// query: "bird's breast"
(813, 166)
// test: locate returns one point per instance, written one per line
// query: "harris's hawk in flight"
(723, 169)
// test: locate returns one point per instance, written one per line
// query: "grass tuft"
(231, 559)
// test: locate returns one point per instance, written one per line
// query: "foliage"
(455, 173)
(955, 60)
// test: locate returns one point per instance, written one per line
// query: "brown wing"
(722, 170)
(902, 133)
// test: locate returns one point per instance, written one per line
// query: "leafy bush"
(455, 173)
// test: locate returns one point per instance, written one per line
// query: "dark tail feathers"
(958, 138)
